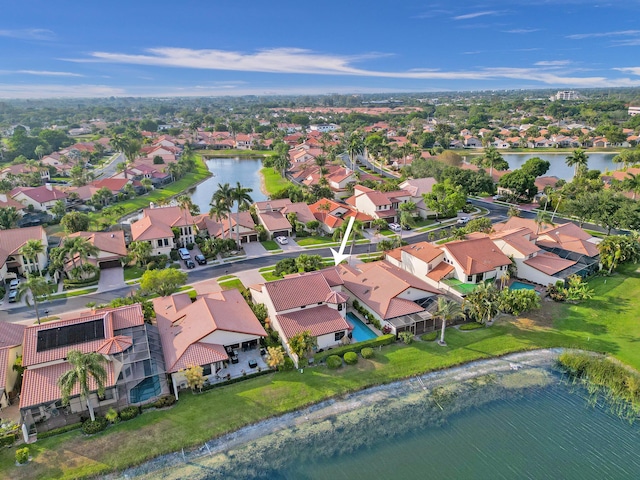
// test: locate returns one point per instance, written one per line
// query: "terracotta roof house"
(378, 204)
(228, 227)
(42, 198)
(11, 336)
(395, 297)
(111, 248)
(6, 201)
(12, 262)
(156, 227)
(133, 362)
(23, 169)
(210, 332)
(416, 188)
(272, 215)
(305, 303)
(332, 215)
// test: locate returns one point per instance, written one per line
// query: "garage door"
(110, 264)
(282, 233)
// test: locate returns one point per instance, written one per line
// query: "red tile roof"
(12, 240)
(40, 385)
(11, 335)
(440, 271)
(320, 320)
(274, 221)
(109, 242)
(114, 345)
(297, 291)
(549, 263)
(477, 255)
(422, 250)
(42, 194)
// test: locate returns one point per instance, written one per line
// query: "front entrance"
(110, 264)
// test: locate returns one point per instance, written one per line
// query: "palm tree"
(355, 148)
(243, 200)
(147, 184)
(406, 215)
(356, 231)
(40, 151)
(83, 367)
(542, 218)
(632, 182)
(30, 250)
(37, 286)
(447, 310)
(493, 159)
(9, 217)
(222, 202)
(482, 302)
(140, 252)
(576, 160)
(81, 247)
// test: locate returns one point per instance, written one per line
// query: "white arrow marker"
(338, 257)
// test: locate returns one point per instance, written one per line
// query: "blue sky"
(159, 48)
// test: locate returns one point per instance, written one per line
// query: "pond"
(229, 170)
(558, 168)
(516, 424)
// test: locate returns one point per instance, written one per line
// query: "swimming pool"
(521, 286)
(360, 331)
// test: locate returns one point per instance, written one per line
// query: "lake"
(229, 170)
(524, 424)
(558, 168)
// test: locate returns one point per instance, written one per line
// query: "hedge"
(429, 337)
(471, 326)
(94, 426)
(58, 431)
(380, 341)
(129, 413)
(366, 352)
(350, 358)
(7, 440)
(237, 379)
(334, 362)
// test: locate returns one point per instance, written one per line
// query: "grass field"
(273, 182)
(270, 245)
(133, 272)
(608, 323)
(313, 240)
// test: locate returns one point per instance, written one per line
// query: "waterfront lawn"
(273, 182)
(607, 323)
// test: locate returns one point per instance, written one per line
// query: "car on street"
(407, 227)
(395, 227)
(463, 220)
(282, 240)
(200, 259)
(190, 264)
(184, 254)
(13, 296)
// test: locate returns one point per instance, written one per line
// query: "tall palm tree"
(220, 210)
(482, 302)
(30, 250)
(406, 215)
(79, 246)
(38, 287)
(140, 252)
(542, 218)
(355, 148)
(356, 231)
(576, 160)
(222, 198)
(240, 195)
(447, 310)
(84, 366)
(632, 182)
(493, 159)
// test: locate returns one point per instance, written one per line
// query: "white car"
(14, 284)
(282, 240)
(395, 227)
(184, 254)
(463, 220)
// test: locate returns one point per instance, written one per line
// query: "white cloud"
(632, 70)
(299, 61)
(580, 36)
(29, 34)
(552, 63)
(522, 30)
(58, 91)
(475, 15)
(49, 73)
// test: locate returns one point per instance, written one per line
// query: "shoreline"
(542, 358)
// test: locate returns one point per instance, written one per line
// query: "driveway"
(254, 249)
(111, 279)
(292, 246)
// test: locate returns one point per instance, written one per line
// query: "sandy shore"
(524, 360)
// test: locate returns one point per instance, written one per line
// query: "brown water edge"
(218, 451)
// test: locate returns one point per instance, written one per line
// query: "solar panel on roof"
(70, 335)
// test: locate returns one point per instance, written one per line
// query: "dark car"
(407, 227)
(200, 259)
(190, 264)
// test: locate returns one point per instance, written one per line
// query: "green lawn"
(133, 272)
(273, 182)
(313, 240)
(75, 293)
(270, 245)
(231, 284)
(225, 277)
(607, 323)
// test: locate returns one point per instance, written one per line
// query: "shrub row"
(58, 431)
(429, 337)
(471, 326)
(129, 413)
(236, 380)
(69, 284)
(356, 347)
(7, 440)
(90, 427)
(367, 314)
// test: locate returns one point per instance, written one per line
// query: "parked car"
(200, 259)
(282, 240)
(395, 227)
(463, 220)
(184, 253)
(13, 296)
(407, 227)
(14, 284)
(190, 264)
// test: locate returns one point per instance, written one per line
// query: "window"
(470, 278)
(108, 395)
(339, 336)
(159, 243)
(319, 303)
(206, 370)
(166, 242)
(340, 306)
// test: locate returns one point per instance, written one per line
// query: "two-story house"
(332, 215)
(11, 337)
(12, 262)
(273, 215)
(378, 204)
(41, 198)
(417, 187)
(228, 227)
(157, 227)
